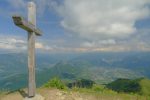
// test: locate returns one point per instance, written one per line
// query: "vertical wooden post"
(30, 27)
(31, 50)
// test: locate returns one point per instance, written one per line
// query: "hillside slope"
(100, 67)
(140, 86)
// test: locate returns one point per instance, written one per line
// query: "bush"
(82, 83)
(98, 88)
(55, 83)
(125, 85)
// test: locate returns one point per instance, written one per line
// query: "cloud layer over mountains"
(94, 25)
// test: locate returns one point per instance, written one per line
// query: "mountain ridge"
(101, 67)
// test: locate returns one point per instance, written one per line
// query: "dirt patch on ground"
(48, 94)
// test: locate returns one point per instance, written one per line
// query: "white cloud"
(12, 43)
(98, 43)
(17, 43)
(102, 19)
(98, 25)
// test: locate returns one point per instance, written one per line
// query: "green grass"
(145, 86)
(101, 92)
(55, 83)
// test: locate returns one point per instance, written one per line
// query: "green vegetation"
(82, 83)
(124, 85)
(138, 86)
(101, 92)
(55, 83)
(145, 86)
(87, 88)
(98, 88)
(125, 89)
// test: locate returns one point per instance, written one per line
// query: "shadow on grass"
(23, 93)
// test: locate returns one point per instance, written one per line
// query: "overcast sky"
(79, 25)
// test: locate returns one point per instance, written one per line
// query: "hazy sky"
(79, 25)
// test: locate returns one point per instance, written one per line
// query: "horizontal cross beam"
(22, 23)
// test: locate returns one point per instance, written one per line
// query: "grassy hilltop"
(121, 89)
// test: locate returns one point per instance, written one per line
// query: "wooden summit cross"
(30, 27)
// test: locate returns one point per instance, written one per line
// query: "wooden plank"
(31, 50)
(26, 25)
(31, 64)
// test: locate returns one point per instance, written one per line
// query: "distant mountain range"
(101, 67)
